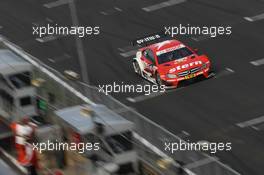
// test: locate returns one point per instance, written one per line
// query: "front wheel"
(158, 79)
(137, 68)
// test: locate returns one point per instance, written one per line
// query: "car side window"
(148, 54)
(151, 56)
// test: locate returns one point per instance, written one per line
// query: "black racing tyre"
(158, 79)
(137, 68)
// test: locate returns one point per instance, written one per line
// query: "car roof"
(163, 45)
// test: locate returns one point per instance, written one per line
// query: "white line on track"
(49, 20)
(225, 72)
(201, 162)
(251, 122)
(56, 3)
(152, 95)
(60, 58)
(121, 49)
(162, 5)
(127, 48)
(118, 9)
(111, 11)
(258, 62)
(230, 70)
(49, 38)
(129, 53)
(144, 97)
(258, 127)
(201, 38)
(104, 13)
(51, 60)
(183, 134)
(255, 18)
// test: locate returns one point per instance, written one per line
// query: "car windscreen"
(174, 55)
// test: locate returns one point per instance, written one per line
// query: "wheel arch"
(138, 60)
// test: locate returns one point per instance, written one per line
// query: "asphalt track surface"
(208, 110)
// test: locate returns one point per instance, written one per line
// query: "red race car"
(168, 62)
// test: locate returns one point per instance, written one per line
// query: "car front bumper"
(173, 82)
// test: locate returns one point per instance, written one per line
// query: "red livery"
(169, 62)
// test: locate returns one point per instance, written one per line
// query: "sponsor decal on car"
(184, 66)
(170, 49)
(147, 39)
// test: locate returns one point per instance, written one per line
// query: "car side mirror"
(144, 54)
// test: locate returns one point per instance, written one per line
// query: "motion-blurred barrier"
(58, 95)
(199, 163)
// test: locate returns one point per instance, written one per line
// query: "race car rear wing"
(150, 39)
